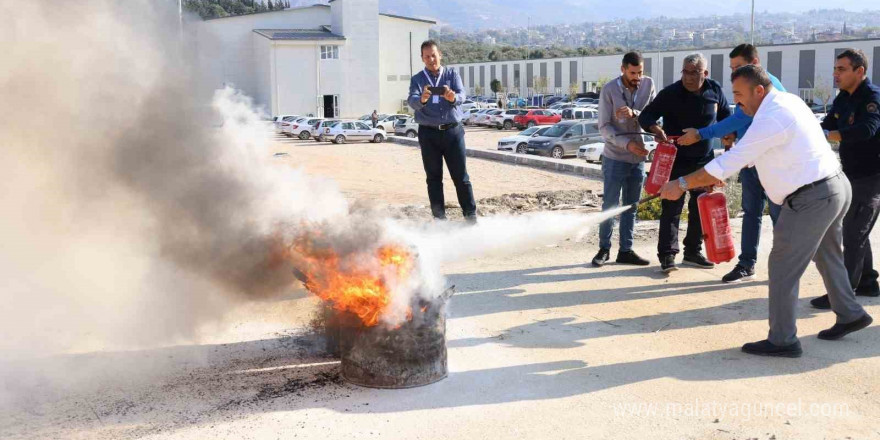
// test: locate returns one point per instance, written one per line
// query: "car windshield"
(529, 131)
(556, 130)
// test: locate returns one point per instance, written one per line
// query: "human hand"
(834, 136)
(659, 134)
(727, 140)
(624, 113)
(690, 136)
(671, 191)
(449, 94)
(636, 148)
(426, 95)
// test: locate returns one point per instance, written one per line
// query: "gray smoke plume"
(136, 208)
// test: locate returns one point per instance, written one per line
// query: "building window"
(329, 52)
(392, 77)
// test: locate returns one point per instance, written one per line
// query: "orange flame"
(361, 284)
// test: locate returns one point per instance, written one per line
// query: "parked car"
(504, 119)
(387, 123)
(302, 128)
(580, 113)
(471, 118)
(277, 120)
(554, 99)
(318, 128)
(592, 152)
(520, 141)
(369, 117)
(406, 127)
(583, 101)
(564, 139)
(344, 131)
(485, 118)
(287, 127)
(468, 104)
(536, 117)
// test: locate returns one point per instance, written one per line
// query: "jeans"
(670, 217)
(753, 197)
(857, 226)
(620, 177)
(437, 145)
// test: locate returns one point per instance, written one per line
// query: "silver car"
(406, 127)
(344, 131)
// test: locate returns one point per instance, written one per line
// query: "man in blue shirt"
(753, 195)
(441, 135)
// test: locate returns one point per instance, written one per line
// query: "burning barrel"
(408, 355)
(374, 353)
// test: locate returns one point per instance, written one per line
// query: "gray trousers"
(810, 227)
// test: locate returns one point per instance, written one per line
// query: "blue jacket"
(739, 122)
(443, 112)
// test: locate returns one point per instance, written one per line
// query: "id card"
(435, 99)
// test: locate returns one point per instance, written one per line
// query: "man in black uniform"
(696, 101)
(854, 121)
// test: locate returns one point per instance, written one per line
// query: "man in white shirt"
(799, 171)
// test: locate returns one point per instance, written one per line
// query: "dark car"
(564, 139)
(554, 99)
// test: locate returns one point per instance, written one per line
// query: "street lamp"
(752, 37)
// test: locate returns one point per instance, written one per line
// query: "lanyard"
(439, 76)
(623, 92)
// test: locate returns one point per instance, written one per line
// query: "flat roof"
(650, 52)
(298, 34)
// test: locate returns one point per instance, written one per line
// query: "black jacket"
(857, 118)
(682, 109)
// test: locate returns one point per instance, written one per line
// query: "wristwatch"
(682, 183)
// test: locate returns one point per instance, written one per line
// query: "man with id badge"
(436, 95)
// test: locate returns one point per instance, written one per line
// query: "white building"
(342, 59)
(801, 67)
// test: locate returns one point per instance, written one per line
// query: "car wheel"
(378, 138)
(651, 156)
(531, 124)
(319, 139)
(411, 134)
(304, 135)
(508, 125)
(522, 148)
(557, 153)
(340, 139)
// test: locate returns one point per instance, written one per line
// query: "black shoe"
(601, 257)
(766, 348)
(470, 219)
(697, 260)
(838, 331)
(870, 289)
(630, 257)
(667, 263)
(821, 302)
(739, 274)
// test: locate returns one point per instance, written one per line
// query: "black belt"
(440, 127)
(810, 185)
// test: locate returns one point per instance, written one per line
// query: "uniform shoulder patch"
(872, 107)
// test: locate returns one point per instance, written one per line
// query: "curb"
(584, 170)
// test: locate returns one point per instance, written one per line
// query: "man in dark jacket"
(854, 121)
(695, 101)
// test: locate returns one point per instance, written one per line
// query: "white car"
(387, 123)
(593, 152)
(344, 131)
(406, 127)
(279, 120)
(484, 119)
(318, 128)
(467, 105)
(471, 119)
(504, 119)
(287, 126)
(301, 128)
(520, 141)
(580, 113)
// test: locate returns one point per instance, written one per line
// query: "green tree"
(495, 85)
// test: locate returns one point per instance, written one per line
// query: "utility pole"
(753, 24)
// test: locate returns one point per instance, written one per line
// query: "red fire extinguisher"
(716, 227)
(661, 169)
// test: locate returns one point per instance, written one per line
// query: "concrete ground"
(540, 346)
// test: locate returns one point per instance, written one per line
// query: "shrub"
(651, 210)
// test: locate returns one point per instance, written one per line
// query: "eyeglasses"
(692, 73)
